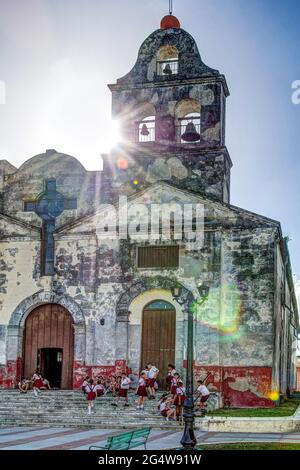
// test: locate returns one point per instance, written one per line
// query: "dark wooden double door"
(49, 345)
(158, 340)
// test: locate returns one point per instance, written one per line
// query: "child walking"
(123, 390)
(152, 376)
(91, 395)
(141, 391)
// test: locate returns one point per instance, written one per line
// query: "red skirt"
(142, 391)
(123, 392)
(173, 389)
(91, 396)
(38, 383)
(204, 398)
(164, 413)
(169, 379)
(177, 398)
(100, 393)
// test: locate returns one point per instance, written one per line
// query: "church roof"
(51, 159)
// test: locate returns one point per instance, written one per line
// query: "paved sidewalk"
(32, 438)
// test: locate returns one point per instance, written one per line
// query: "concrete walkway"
(33, 438)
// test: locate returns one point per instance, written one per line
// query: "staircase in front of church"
(69, 408)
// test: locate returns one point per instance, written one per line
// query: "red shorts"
(123, 392)
(177, 398)
(151, 382)
(100, 393)
(204, 398)
(142, 391)
(91, 396)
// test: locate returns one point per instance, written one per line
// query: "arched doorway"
(158, 337)
(49, 344)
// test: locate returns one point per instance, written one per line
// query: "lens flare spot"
(274, 395)
(122, 164)
(220, 310)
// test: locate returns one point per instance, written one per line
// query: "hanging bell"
(190, 134)
(145, 130)
(167, 70)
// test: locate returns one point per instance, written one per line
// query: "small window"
(146, 129)
(158, 256)
(167, 61)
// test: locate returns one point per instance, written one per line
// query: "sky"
(57, 57)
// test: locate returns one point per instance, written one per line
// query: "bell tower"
(171, 111)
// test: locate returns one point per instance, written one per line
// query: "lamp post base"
(188, 440)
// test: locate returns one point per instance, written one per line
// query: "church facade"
(77, 298)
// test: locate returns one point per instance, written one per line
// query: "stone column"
(122, 335)
(14, 342)
(79, 342)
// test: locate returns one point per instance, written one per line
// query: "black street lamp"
(188, 439)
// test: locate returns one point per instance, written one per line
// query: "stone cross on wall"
(49, 206)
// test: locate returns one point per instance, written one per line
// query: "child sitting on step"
(166, 408)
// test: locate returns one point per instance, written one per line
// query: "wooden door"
(158, 338)
(49, 326)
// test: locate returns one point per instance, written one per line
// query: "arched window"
(188, 121)
(144, 118)
(167, 61)
(146, 129)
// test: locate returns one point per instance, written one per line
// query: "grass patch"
(287, 408)
(251, 446)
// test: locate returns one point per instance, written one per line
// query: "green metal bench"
(126, 440)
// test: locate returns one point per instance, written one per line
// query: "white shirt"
(152, 372)
(163, 406)
(203, 390)
(142, 382)
(125, 383)
(180, 391)
(99, 387)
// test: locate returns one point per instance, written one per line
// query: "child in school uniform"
(91, 395)
(152, 376)
(38, 383)
(141, 391)
(174, 383)
(203, 393)
(84, 384)
(123, 391)
(179, 399)
(166, 409)
(23, 385)
(99, 388)
(170, 374)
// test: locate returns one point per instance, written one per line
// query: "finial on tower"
(170, 21)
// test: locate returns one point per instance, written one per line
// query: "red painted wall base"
(239, 387)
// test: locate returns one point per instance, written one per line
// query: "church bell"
(145, 130)
(190, 134)
(167, 70)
